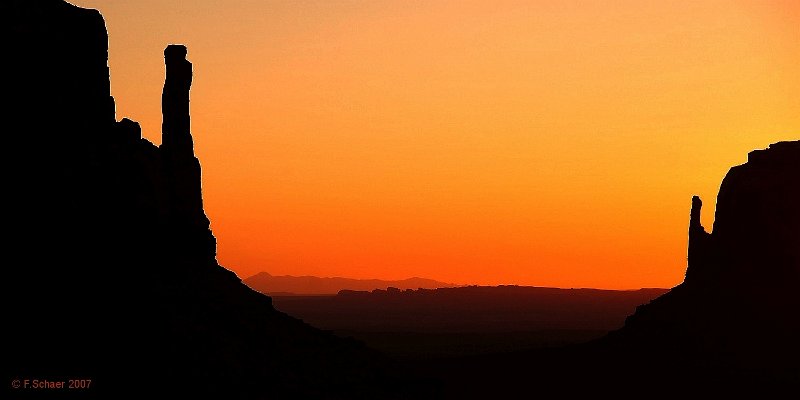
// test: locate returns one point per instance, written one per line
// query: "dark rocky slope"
(110, 270)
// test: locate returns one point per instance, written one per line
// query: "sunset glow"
(547, 143)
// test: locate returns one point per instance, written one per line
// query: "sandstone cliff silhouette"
(111, 270)
(736, 313)
(730, 329)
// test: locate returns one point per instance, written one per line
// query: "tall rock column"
(190, 238)
(175, 126)
(699, 244)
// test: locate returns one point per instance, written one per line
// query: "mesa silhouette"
(736, 311)
(300, 285)
(731, 328)
(114, 276)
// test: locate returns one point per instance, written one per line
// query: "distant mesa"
(469, 309)
(313, 285)
(463, 321)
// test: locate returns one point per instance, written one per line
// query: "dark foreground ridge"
(111, 271)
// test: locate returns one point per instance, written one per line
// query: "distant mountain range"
(314, 285)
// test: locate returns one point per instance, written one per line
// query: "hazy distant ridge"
(267, 283)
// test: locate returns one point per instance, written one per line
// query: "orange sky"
(552, 143)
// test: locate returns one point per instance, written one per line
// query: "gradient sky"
(551, 143)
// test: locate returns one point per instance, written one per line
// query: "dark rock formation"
(755, 238)
(110, 269)
(735, 314)
(181, 168)
(699, 242)
(757, 224)
(175, 128)
(730, 330)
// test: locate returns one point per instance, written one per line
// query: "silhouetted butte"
(111, 269)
